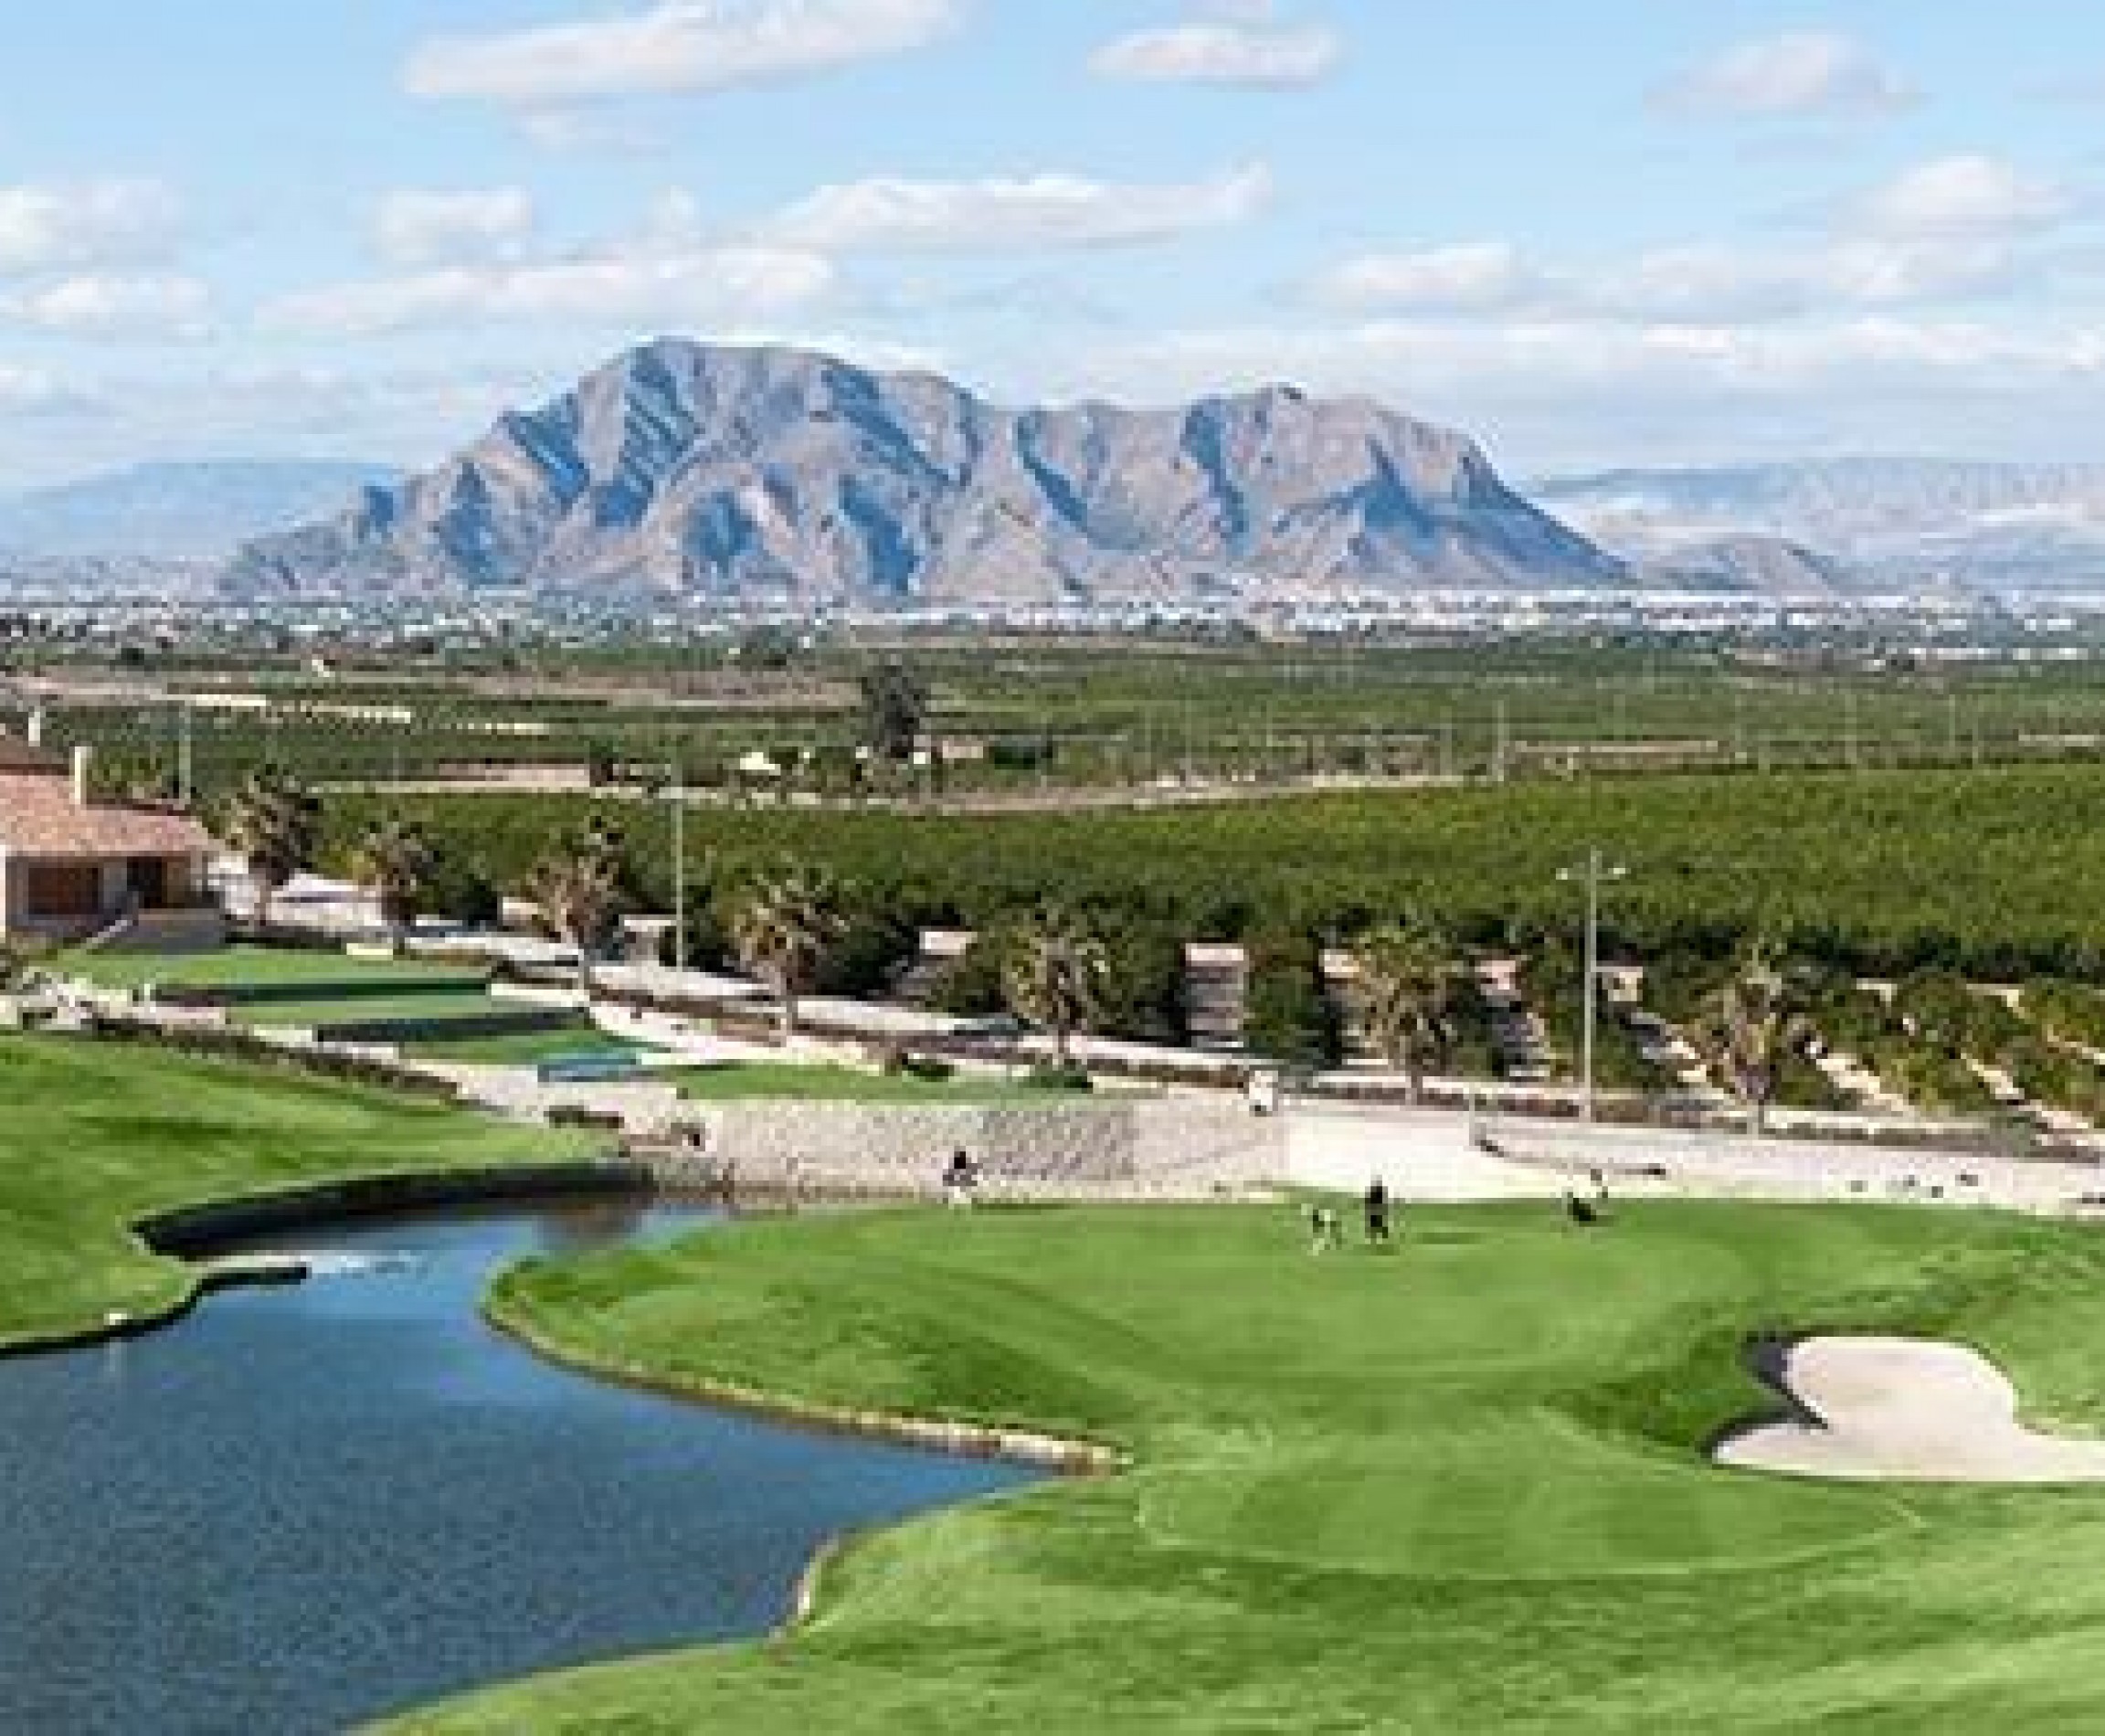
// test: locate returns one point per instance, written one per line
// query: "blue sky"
(1592, 231)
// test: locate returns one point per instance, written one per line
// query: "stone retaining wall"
(1171, 1149)
(1738, 1165)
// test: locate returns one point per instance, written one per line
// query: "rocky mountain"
(775, 475)
(1906, 525)
(181, 513)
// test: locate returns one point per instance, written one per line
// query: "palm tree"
(1408, 976)
(1057, 972)
(578, 889)
(783, 930)
(272, 823)
(1752, 1026)
(396, 860)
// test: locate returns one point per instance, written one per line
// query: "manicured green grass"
(767, 1081)
(94, 1136)
(437, 1006)
(238, 966)
(1457, 1490)
(528, 1048)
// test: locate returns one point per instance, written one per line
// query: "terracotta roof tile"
(39, 818)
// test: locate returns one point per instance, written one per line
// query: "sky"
(1593, 232)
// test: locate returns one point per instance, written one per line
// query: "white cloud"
(675, 48)
(993, 216)
(417, 227)
(26, 391)
(1580, 390)
(1697, 282)
(111, 307)
(86, 226)
(1255, 55)
(635, 286)
(1470, 275)
(1800, 74)
(1964, 196)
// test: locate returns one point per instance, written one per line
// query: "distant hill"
(1747, 564)
(1891, 524)
(777, 475)
(200, 511)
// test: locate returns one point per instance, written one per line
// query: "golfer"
(1375, 1206)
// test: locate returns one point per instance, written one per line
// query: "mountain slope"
(1896, 523)
(174, 512)
(777, 475)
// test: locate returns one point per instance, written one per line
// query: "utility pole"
(1593, 874)
(1499, 761)
(185, 757)
(679, 868)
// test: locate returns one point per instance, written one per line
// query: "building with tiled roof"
(72, 866)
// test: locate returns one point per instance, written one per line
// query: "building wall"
(24, 916)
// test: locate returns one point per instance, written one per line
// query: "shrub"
(1287, 1016)
(1049, 1076)
(971, 986)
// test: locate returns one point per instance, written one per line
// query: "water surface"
(303, 1507)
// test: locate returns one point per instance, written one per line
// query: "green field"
(1099, 711)
(437, 1005)
(95, 1136)
(1991, 872)
(1458, 1490)
(525, 1049)
(237, 968)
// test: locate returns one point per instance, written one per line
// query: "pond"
(301, 1508)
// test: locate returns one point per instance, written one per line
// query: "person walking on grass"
(1377, 1208)
(1325, 1231)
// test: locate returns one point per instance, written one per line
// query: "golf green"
(1458, 1488)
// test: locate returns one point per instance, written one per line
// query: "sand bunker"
(1906, 1411)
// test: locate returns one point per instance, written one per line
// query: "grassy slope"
(1454, 1491)
(94, 1136)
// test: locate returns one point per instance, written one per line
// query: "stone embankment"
(1169, 1149)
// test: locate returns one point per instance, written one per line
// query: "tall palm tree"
(396, 860)
(1407, 976)
(783, 930)
(1752, 1026)
(578, 888)
(272, 822)
(1055, 976)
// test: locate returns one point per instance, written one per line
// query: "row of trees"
(787, 926)
(1063, 970)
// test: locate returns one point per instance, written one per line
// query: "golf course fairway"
(1458, 1488)
(96, 1136)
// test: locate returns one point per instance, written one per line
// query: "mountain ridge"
(782, 475)
(1899, 525)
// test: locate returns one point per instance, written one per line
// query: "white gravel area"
(1907, 1409)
